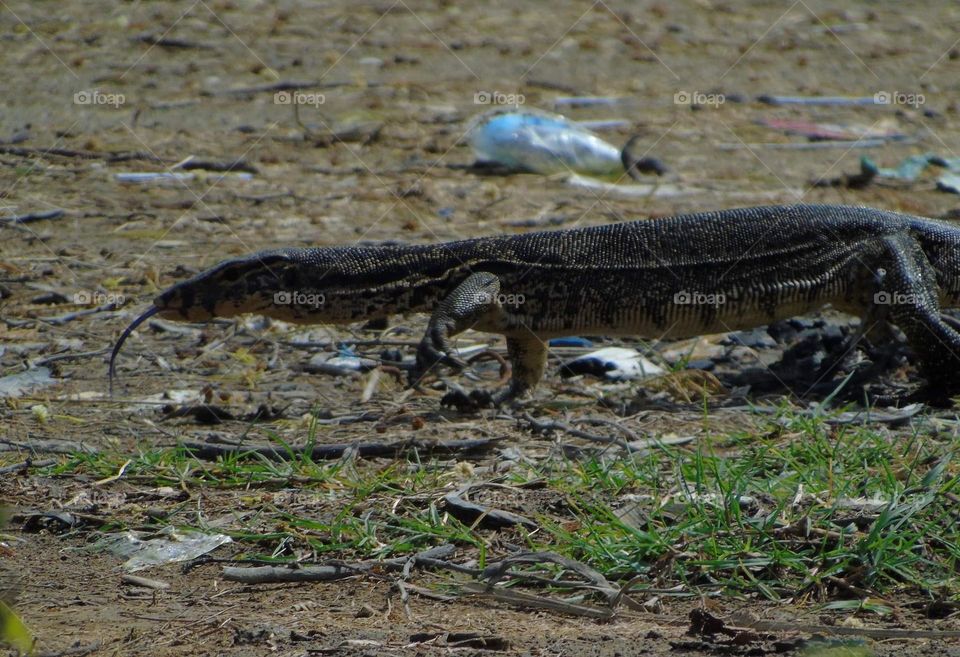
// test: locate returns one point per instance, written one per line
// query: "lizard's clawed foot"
(476, 399)
(935, 396)
(463, 401)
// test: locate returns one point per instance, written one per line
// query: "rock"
(756, 339)
(694, 349)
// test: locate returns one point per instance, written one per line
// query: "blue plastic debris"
(570, 342)
(908, 169)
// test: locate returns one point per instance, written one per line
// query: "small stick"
(337, 450)
(110, 156)
(59, 320)
(144, 582)
(171, 42)
(33, 216)
(26, 465)
(560, 426)
(332, 571)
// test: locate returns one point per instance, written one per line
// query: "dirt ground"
(96, 89)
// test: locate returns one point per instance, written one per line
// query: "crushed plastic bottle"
(167, 546)
(540, 142)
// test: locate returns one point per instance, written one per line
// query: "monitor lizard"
(670, 277)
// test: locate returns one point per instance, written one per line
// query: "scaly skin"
(664, 278)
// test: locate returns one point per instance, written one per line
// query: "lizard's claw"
(428, 357)
(932, 396)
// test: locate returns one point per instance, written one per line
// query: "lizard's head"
(243, 285)
(233, 287)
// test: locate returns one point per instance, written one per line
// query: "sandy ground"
(376, 154)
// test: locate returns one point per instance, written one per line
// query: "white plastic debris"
(339, 364)
(167, 546)
(614, 363)
(19, 384)
(541, 142)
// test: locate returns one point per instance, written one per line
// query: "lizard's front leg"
(477, 301)
(472, 300)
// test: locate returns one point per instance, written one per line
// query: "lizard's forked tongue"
(153, 310)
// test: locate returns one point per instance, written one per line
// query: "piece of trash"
(19, 384)
(176, 176)
(170, 545)
(151, 176)
(854, 101)
(571, 341)
(909, 169)
(845, 144)
(541, 142)
(614, 363)
(339, 364)
(829, 131)
(33, 216)
(588, 101)
(949, 182)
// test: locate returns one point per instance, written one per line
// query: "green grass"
(740, 514)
